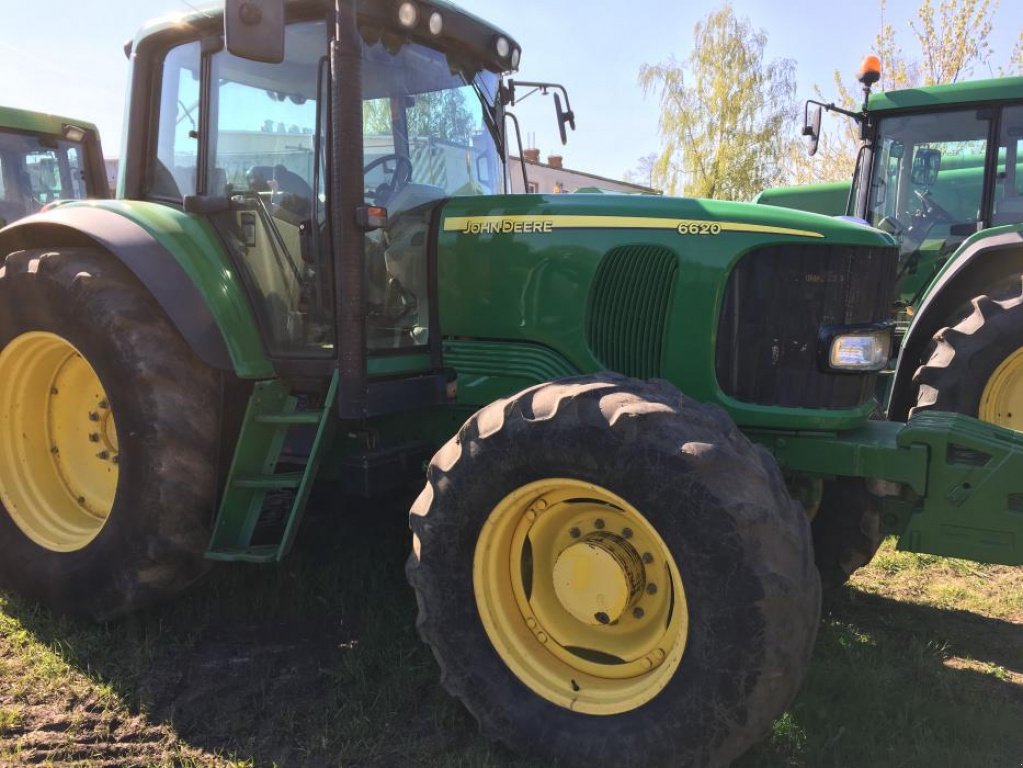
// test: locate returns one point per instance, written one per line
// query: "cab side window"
(172, 171)
(1008, 178)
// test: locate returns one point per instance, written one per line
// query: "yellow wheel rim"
(58, 443)
(580, 596)
(1002, 400)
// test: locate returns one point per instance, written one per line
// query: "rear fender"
(180, 261)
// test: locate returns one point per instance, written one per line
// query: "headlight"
(408, 15)
(502, 46)
(862, 348)
(436, 23)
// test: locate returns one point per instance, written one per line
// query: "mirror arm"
(832, 108)
(522, 161)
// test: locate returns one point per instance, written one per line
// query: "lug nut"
(627, 533)
(651, 589)
(598, 524)
(648, 558)
(93, 416)
(103, 455)
(104, 404)
(602, 617)
(94, 437)
(637, 612)
(575, 533)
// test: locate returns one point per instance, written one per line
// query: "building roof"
(595, 177)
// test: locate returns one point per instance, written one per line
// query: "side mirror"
(812, 128)
(564, 117)
(254, 29)
(926, 164)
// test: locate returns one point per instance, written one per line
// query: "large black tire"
(846, 530)
(165, 402)
(967, 355)
(719, 504)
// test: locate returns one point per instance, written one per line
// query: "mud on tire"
(165, 403)
(719, 504)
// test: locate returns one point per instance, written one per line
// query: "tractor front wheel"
(610, 573)
(846, 530)
(108, 438)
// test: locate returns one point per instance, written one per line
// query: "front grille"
(628, 308)
(776, 301)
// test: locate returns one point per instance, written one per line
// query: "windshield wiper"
(489, 114)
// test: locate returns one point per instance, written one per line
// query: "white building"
(553, 177)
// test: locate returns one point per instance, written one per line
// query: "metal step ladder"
(255, 482)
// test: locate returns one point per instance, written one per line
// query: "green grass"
(316, 662)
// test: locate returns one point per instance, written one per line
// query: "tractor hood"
(637, 284)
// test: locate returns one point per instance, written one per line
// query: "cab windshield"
(927, 180)
(428, 133)
(427, 127)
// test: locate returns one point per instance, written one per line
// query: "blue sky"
(65, 56)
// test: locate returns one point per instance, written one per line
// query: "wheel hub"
(598, 578)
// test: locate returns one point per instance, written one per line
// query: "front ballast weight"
(949, 484)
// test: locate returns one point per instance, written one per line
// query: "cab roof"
(937, 96)
(39, 122)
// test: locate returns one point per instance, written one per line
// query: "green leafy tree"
(1015, 60)
(952, 38)
(724, 112)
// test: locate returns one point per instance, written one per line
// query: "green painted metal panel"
(948, 95)
(974, 502)
(871, 451)
(195, 245)
(39, 122)
(519, 269)
(829, 198)
(490, 370)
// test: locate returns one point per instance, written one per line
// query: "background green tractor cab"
(46, 158)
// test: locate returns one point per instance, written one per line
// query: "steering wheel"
(401, 176)
(931, 210)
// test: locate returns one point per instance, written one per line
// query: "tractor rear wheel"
(609, 573)
(108, 438)
(976, 367)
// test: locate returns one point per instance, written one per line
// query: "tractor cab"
(45, 158)
(319, 142)
(934, 178)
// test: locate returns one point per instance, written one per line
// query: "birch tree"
(725, 112)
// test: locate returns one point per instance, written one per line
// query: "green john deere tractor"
(941, 169)
(312, 270)
(44, 159)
